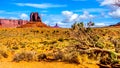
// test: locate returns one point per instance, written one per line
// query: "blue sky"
(63, 12)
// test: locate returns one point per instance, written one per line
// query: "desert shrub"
(57, 31)
(24, 56)
(116, 43)
(42, 32)
(71, 58)
(46, 35)
(66, 32)
(61, 39)
(22, 45)
(45, 42)
(99, 45)
(58, 55)
(88, 30)
(53, 42)
(15, 47)
(117, 61)
(4, 54)
(105, 61)
(96, 38)
(41, 57)
(67, 39)
(35, 31)
(53, 32)
(112, 55)
(77, 25)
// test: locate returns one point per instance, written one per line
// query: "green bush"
(99, 45)
(96, 38)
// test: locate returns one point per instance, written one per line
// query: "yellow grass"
(40, 40)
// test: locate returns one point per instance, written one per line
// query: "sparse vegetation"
(78, 45)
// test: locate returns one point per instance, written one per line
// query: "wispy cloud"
(10, 12)
(43, 6)
(92, 10)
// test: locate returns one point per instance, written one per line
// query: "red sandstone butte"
(11, 23)
(35, 21)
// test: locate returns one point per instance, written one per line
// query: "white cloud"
(86, 15)
(24, 16)
(44, 5)
(115, 10)
(72, 17)
(115, 13)
(108, 2)
(67, 13)
(92, 10)
(101, 24)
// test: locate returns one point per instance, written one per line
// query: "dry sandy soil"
(43, 65)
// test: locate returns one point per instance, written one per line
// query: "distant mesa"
(35, 21)
(11, 23)
(115, 25)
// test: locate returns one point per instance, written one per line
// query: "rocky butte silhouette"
(56, 26)
(35, 21)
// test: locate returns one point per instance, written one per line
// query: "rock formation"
(34, 16)
(35, 21)
(116, 25)
(11, 23)
(56, 26)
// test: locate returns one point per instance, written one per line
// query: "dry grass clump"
(3, 54)
(41, 57)
(24, 56)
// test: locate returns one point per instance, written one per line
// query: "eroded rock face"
(12, 23)
(34, 16)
